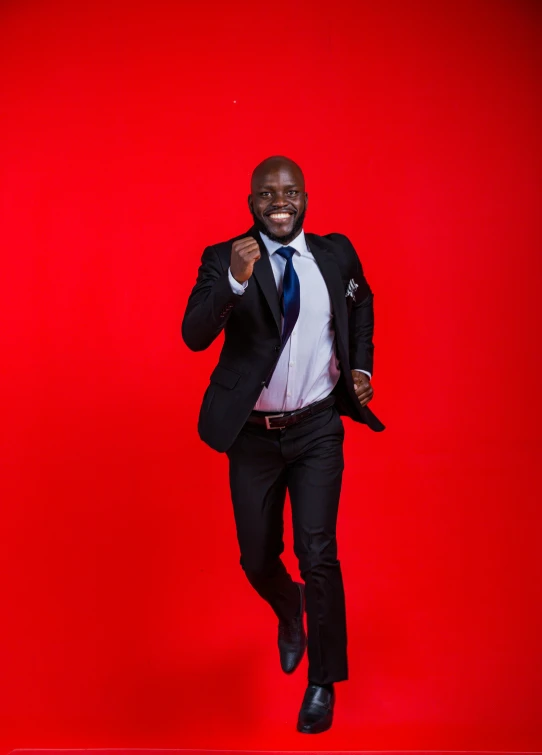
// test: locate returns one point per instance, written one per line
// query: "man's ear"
(250, 202)
(306, 200)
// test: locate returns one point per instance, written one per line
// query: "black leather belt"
(285, 419)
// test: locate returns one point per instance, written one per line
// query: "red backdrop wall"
(127, 136)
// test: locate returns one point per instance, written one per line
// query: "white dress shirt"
(308, 369)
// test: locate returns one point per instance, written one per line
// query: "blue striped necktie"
(290, 293)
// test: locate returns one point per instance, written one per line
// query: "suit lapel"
(263, 274)
(325, 259)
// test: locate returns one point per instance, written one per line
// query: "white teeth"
(280, 215)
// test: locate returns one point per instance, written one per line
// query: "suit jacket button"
(277, 348)
(263, 382)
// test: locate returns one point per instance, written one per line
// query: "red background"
(127, 136)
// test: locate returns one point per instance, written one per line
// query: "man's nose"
(280, 201)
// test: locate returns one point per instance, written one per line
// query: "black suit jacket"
(252, 323)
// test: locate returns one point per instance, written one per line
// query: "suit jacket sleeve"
(361, 321)
(210, 303)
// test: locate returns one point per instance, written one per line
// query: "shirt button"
(292, 364)
(289, 394)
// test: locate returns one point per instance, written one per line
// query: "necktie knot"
(286, 252)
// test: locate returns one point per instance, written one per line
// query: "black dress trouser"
(307, 460)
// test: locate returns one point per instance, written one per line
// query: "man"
(297, 315)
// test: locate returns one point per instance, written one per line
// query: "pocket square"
(352, 288)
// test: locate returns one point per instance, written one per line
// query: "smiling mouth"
(280, 217)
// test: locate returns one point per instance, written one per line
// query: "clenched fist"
(362, 386)
(244, 254)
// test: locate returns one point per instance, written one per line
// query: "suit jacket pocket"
(225, 377)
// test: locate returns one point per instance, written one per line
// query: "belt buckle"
(269, 417)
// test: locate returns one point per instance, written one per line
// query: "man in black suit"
(297, 315)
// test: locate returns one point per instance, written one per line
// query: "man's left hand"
(362, 386)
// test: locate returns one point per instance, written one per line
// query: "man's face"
(278, 202)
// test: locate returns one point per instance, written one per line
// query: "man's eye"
(264, 193)
(293, 191)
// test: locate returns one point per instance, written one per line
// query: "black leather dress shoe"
(316, 714)
(292, 638)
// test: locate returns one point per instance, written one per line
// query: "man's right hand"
(244, 253)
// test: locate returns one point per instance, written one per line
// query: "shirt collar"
(299, 243)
